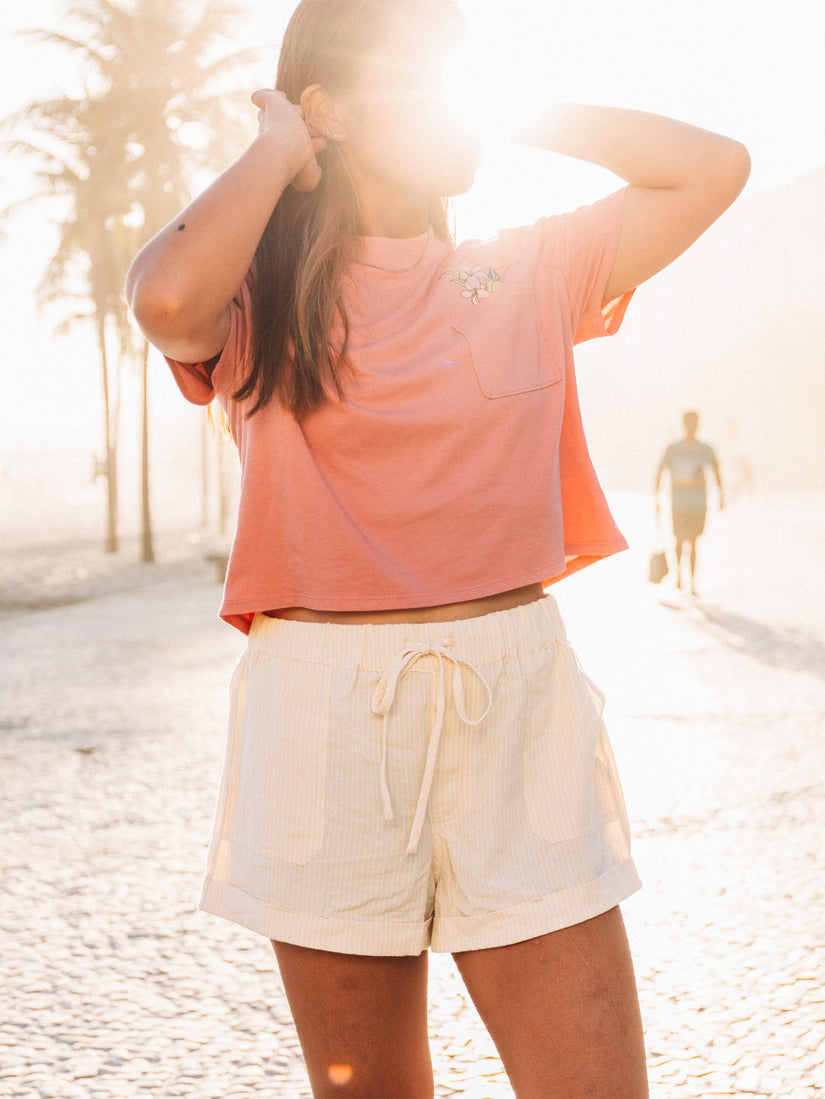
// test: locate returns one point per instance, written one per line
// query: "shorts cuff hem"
(539, 917)
(379, 939)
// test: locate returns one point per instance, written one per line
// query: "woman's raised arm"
(181, 283)
(681, 178)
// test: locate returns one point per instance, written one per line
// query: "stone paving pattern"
(112, 714)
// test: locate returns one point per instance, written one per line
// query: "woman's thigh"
(361, 1021)
(563, 1011)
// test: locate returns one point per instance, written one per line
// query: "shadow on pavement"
(777, 647)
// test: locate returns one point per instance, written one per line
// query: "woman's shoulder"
(492, 260)
(557, 236)
(505, 242)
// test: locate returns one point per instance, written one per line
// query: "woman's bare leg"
(361, 1021)
(563, 1011)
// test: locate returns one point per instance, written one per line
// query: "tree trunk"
(110, 442)
(147, 544)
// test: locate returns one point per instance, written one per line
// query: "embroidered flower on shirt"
(476, 282)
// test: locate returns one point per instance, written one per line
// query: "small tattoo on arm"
(181, 226)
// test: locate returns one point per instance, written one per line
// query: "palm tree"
(83, 272)
(162, 104)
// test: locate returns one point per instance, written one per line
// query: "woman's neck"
(383, 212)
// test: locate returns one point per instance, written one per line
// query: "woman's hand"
(278, 116)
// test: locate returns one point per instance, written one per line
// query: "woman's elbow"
(176, 327)
(731, 169)
(163, 313)
(156, 313)
(140, 287)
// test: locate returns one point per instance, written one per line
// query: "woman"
(415, 757)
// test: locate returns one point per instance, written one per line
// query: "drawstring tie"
(382, 701)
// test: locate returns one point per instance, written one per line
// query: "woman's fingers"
(276, 113)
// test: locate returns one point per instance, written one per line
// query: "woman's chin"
(460, 186)
(458, 175)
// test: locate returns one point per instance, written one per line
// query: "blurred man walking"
(686, 461)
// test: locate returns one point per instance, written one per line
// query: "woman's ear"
(323, 115)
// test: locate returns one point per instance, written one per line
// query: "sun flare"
(490, 86)
(496, 84)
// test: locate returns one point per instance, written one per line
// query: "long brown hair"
(302, 255)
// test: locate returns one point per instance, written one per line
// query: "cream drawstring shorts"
(392, 787)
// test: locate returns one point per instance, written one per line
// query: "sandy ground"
(112, 712)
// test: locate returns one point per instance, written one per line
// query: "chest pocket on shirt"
(507, 346)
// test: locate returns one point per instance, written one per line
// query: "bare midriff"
(447, 612)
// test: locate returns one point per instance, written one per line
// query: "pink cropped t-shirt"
(456, 465)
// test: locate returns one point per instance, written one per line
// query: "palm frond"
(165, 97)
(45, 37)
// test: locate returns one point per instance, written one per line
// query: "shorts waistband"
(480, 640)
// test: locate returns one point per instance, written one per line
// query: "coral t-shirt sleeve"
(194, 380)
(582, 245)
(200, 383)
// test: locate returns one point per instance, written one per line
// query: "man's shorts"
(389, 788)
(689, 508)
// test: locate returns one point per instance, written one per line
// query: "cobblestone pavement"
(112, 713)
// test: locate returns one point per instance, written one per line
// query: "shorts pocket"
(561, 747)
(280, 763)
(507, 347)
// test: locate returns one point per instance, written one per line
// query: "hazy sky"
(749, 68)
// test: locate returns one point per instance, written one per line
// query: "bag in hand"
(658, 568)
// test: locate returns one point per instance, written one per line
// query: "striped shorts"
(389, 788)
